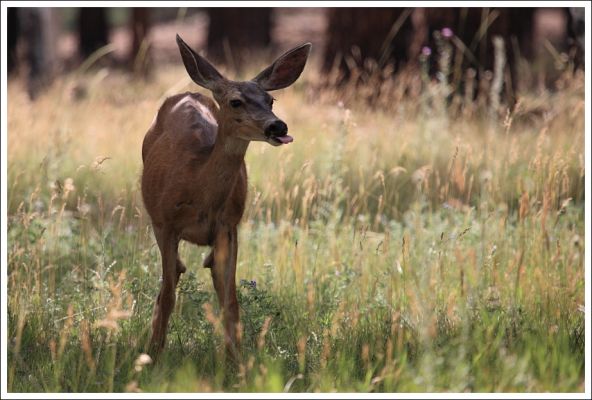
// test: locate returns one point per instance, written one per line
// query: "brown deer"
(194, 182)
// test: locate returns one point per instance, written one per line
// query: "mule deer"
(194, 181)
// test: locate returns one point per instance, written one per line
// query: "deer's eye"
(236, 103)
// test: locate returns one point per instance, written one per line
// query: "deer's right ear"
(199, 69)
(285, 70)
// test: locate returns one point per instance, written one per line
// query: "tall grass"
(402, 246)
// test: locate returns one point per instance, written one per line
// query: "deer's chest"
(202, 217)
(199, 227)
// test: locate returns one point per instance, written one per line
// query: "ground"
(403, 246)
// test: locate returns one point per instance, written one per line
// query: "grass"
(407, 247)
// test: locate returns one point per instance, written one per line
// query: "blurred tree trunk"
(235, 33)
(360, 37)
(92, 29)
(38, 32)
(576, 28)
(13, 29)
(476, 28)
(468, 23)
(140, 57)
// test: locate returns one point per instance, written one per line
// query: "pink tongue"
(285, 139)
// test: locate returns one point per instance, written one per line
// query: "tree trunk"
(513, 25)
(92, 29)
(13, 29)
(139, 59)
(236, 33)
(38, 32)
(357, 35)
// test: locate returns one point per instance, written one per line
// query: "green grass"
(402, 248)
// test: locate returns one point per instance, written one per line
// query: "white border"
(588, 349)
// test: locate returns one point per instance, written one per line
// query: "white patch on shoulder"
(207, 114)
(202, 109)
(180, 103)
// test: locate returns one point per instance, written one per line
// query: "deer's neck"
(224, 164)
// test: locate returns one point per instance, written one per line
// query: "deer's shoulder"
(186, 121)
(190, 107)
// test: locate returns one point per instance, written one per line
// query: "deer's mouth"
(279, 140)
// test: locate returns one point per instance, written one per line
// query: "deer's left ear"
(285, 70)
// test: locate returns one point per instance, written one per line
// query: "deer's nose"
(276, 128)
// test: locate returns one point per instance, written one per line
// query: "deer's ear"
(199, 69)
(285, 70)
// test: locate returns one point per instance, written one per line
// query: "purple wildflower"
(426, 51)
(447, 33)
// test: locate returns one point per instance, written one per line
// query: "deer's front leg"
(224, 277)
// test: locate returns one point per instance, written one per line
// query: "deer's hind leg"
(172, 268)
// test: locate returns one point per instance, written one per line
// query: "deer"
(194, 178)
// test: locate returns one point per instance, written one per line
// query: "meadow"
(411, 245)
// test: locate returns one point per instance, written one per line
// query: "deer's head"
(246, 107)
